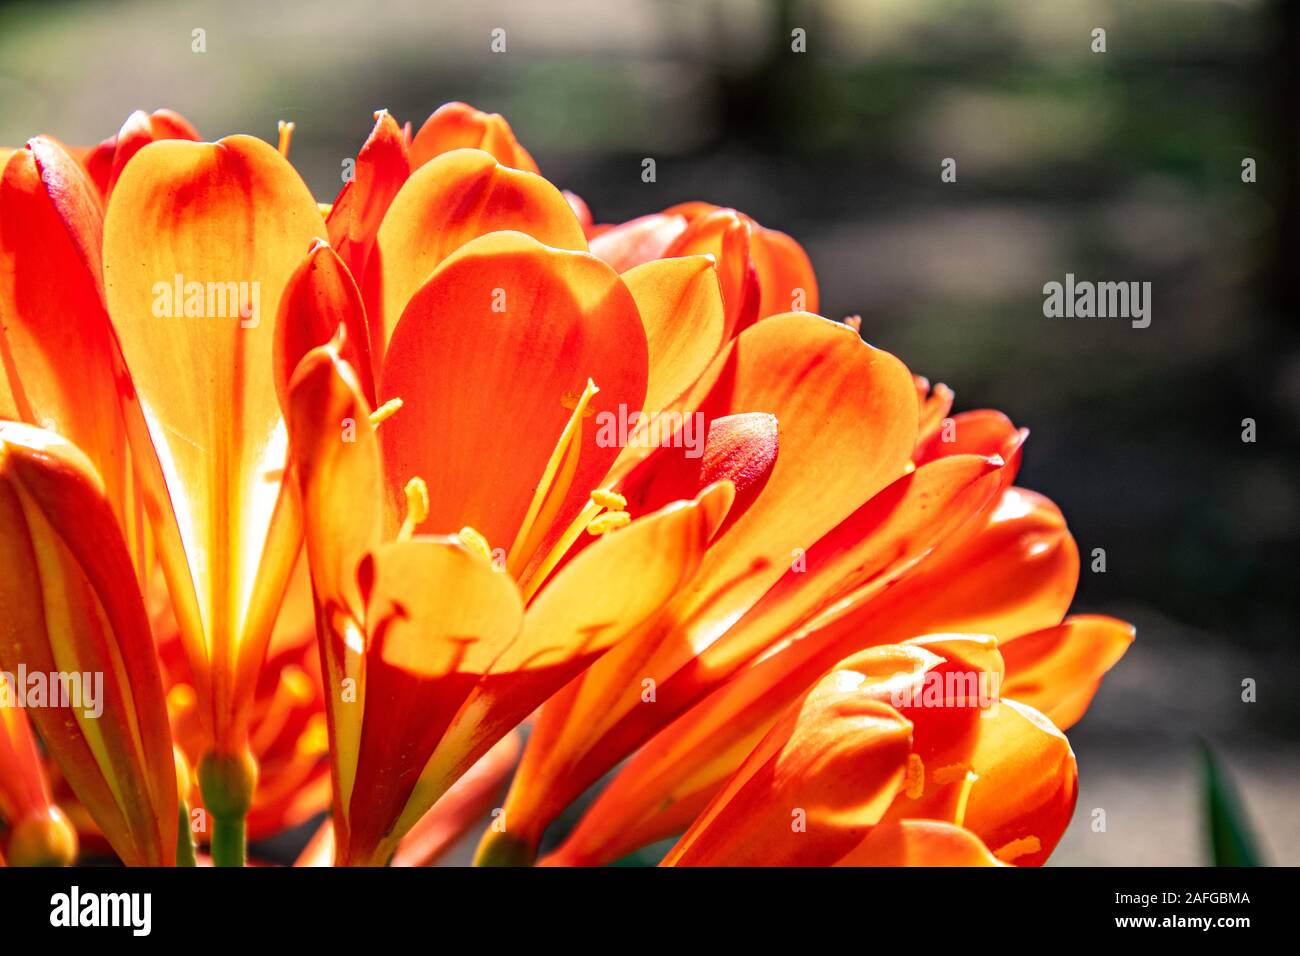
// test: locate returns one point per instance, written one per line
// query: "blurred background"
(1117, 166)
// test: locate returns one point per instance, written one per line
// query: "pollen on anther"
(609, 499)
(914, 782)
(609, 521)
(417, 501)
(385, 411)
(474, 541)
(1018, 848)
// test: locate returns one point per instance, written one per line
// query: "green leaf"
(1231, 843)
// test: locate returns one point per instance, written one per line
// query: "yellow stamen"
(609, 499)
(1018, 848)
(417, 507)
(325, 208)
(385, 411)
(474, 541)
(609, 521)
(286, 137)
(552, 490)
(914, 783)
(959, 817)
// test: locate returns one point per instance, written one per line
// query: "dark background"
(1117, 166)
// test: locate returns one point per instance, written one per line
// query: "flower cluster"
(347, 553)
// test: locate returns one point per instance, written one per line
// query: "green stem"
(184, 839)
(229, 840)
(228, 781)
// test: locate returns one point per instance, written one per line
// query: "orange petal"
(67, 611)
(812, 787)
(580, 209)
(982, 432)
(1057, 670)
(228, 223)
(141, 129)
(681, 308)
(381, 170)
(455, 198)
(891, 531)
(437, 617)
(1025, 779)
(460, 808)
(319, 298)
(460, 126)
(59, 363)
(726, 235)
(466, 803)
(336, 458)
(456, 363)
(919, 843)
(1015, 571)
(23, 786)
(637, 241)
(785, 276)
(663, 787)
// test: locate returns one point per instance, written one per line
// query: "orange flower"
(190, 443)
(622, 471)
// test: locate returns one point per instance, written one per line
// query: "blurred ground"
(1122, 166)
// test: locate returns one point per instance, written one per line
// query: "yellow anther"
(914, 782)
(474, 541)
(854, 322)
(959, 817)
(385, 411)
(609, 499)
(417, 507)
(609, 521)
(1018, 848)
(286, 137)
